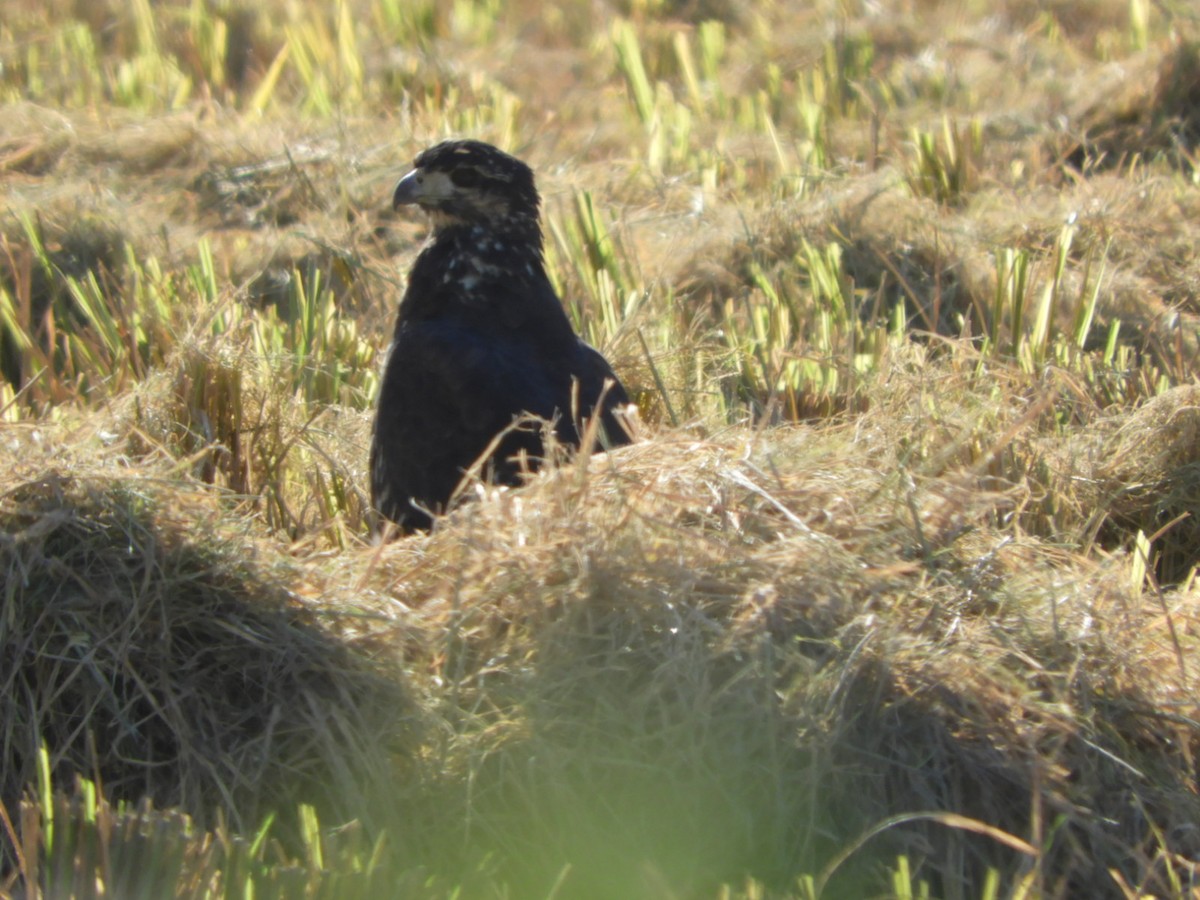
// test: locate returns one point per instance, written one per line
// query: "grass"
(895, 597)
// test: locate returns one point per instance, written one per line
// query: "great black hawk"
(482, 347)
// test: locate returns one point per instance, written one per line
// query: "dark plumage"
(481, 342)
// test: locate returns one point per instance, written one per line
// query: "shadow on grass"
(656, 749)
(170, 665)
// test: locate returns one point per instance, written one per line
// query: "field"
(895, 596)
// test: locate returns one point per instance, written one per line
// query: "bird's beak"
(408, 190)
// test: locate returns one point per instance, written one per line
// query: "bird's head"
(470, 183)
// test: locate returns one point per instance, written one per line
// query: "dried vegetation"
(895, 597)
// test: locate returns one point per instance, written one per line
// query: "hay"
(147, 647)
(1136, 472)
(1148, 108)
(627, 694)
(705, 665)
(689, 661)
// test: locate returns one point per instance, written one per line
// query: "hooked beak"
(408, 190)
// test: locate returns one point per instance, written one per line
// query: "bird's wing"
(579, 376)
(597, 378)
(599, 388)
(447, 392)
(455, 379)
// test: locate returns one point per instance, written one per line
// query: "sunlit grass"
(911, 525)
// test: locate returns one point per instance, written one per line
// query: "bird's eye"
(466, 177)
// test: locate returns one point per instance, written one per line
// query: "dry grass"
(178, 668)
(896, 597)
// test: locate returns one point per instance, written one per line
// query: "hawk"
(482, 347)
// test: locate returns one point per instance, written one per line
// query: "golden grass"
(896, 595)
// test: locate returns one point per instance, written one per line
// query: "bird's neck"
(486, 249)
(519, 234)
(472, 271)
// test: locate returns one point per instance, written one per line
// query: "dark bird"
(481, 344)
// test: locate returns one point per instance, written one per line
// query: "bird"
(484, 363)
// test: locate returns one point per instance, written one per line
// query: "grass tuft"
(184, 659)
